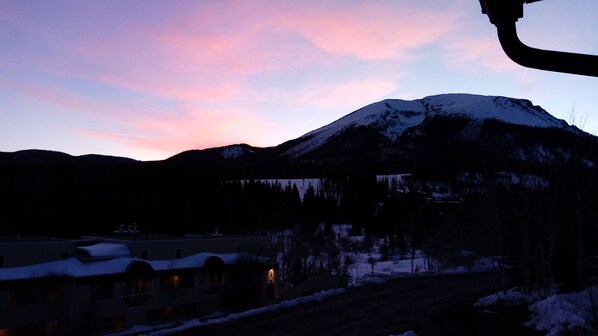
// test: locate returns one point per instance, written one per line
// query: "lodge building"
(100, 284)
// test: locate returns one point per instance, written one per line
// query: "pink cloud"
(346, 95)
(372, 30)
(4, 15)
(194, 128)
(205, 52)
(483, 51)
(469, 48)
(48, 94)
(158, 133)
(130, 58)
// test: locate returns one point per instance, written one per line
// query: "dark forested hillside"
(543, 216)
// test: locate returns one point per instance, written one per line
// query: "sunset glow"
(149, 79)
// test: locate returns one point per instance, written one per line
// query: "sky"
(149, 79)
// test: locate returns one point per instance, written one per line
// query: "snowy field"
(303, 184)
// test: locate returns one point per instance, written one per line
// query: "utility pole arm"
(504, 15)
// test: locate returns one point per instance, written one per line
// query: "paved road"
(384, 309)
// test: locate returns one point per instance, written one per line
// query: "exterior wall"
(100, 304)
(22, 253)
(78, 309)
(35, 306)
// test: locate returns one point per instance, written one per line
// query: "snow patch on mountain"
(234, 151)
(392, 117)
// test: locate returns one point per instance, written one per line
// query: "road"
(386, 309)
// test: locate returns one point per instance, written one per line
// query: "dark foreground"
(429, 305)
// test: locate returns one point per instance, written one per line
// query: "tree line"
(547, 230)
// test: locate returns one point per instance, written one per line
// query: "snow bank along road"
(384, 309)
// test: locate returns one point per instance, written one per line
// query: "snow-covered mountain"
(394, 117)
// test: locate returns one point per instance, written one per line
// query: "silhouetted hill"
(46, 157)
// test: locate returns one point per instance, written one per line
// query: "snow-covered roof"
(104, 250)
(73, 267)
(200, 259)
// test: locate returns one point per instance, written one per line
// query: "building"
(106, 283)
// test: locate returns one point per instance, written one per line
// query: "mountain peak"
(509, 110)
(392, 117)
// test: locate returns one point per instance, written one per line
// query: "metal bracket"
(504, 14)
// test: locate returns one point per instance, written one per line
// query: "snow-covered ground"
(562, 314)
(408, 333)
(399, 265)
(404, 265)
(361, 271)
(511, 297)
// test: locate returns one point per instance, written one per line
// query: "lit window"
(176, 281)
(21, 295)
(173, 282)
(52, 327)
(52, 291)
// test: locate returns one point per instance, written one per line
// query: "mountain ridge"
(43, 156)
(57, 194)
(392, 132)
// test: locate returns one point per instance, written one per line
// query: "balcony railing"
(137, 299)
(212, 288)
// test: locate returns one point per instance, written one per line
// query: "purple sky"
(148, 79)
